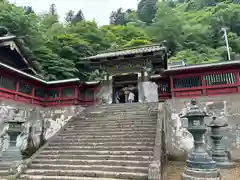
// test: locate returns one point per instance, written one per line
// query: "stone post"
(218, 152)
(200, 166)
(145, 76)
(140, 89)
(110, 89)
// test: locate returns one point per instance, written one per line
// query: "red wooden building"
(19, 81)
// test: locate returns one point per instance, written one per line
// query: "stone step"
(90, 167)
(89, 173)
(112, 120)
(86, 140)
(42, 177)
(110, 126)
(110, 148)
(129, 114)
(126, 105)
(124, 129)
(4, 173)
(113, 123)
(100, 136)
(120, 115)
(94, 152)
(109, 114)
(117, 117)
(96, 144)
(4, 165)
(92, 162)
(93, 133)
(96, 157)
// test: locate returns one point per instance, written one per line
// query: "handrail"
(154, 170)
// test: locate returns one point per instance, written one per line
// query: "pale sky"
(99, 10)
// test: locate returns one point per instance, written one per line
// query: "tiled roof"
(176, 64)
(195, 66)
(7, 38)
(124, 52)
(2, 65)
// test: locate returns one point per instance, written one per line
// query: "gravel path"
(176, 168)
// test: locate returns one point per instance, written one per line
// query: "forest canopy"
(191, 30)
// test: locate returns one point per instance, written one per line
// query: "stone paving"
(176, 168)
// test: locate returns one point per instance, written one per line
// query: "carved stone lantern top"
(15, 121)
(218, 122)
(15, 117)
(193, 111)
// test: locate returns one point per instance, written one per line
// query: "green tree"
(53, 9)
(168, 27)
(78, 17)
(28, 9)
(118, 17)
(69, 16)
(146, 10)
(191, 31)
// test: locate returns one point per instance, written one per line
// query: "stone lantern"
(218, 152)
(13, 153)
(200, 166)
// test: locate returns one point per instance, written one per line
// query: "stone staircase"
(4, 169)
(112, 142)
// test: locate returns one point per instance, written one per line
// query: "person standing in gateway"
(131, 96)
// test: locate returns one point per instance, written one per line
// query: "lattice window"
(188, 82)
(53, 93)
(7, 83)
(39, 92)
(68, 92)
(25, 88)
(81, 92)
(89, 94)
(164, 88)
(218, 79)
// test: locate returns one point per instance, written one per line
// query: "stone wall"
(227, 107)
(46, 121)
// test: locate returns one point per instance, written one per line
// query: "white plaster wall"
(150, 91)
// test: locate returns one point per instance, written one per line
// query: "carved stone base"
(192, 174)
(225, 165)
(11, 155)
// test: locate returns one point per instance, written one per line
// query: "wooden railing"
(36, 92)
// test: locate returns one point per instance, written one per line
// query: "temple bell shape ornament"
(200, 166)
(219, 154)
